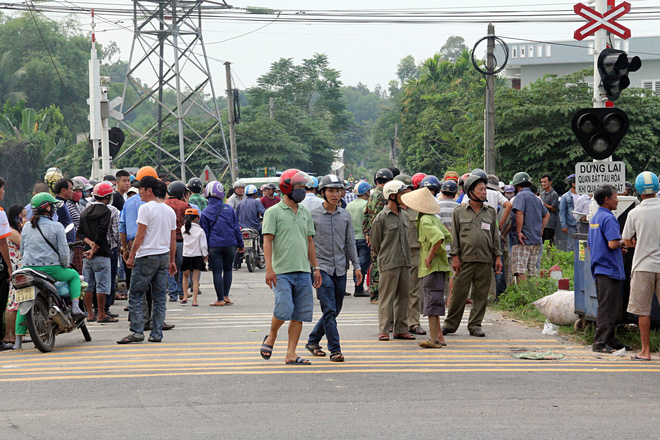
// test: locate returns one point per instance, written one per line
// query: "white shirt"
(160, 220)
(194, 243)
(5, 230)
(494, 199)
(644, 221)
(311, 202)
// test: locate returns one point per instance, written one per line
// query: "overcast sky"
(363, 53)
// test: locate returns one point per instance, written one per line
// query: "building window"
(590, 48)
(539, 51)
(652, 85)
(522, 51)
(514, 52)
(531, 52)
(626, 46)
(548, 50)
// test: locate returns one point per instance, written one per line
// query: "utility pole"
(232, 125)
(600, 41)
(489, 111)
(94, 102)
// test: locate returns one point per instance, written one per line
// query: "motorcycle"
(254, 254)
(45, 302)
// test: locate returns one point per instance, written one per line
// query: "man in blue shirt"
(530, 217)
(250, 211)
(604, 241)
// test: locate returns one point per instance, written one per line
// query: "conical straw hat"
(421, 200)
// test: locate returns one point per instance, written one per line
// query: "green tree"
(407, 70)
(453, 48)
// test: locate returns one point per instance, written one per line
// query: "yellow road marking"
(310, 370)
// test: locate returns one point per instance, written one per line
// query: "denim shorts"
(97, 274)
(294, 297)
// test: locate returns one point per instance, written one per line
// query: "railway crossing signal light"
(116, 138)
(600, 130)
(614, 66)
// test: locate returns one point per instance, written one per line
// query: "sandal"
(337, 357)
(406, 336)
(130, 338)
(383, 337)
(315, 349)
(430, 344)
(267, 349)
(418, 330)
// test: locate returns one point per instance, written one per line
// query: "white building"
(530, 61)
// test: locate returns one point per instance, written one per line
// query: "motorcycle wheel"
(85, 332)
(249, 260)
(261, 262)
(42, 334)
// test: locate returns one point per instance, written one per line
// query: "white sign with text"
(591, 175)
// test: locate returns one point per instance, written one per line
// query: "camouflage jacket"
(375, 204)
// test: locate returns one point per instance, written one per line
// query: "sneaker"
(168, 326)
(477, 331)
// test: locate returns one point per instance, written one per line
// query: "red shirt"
(179, 207)
(267, 203)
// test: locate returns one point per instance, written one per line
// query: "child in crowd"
(195, 253)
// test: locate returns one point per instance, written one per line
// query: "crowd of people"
(419, 245)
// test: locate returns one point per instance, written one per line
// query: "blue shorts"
(294, 297)
(97, 274)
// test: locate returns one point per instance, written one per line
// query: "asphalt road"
(207, 380)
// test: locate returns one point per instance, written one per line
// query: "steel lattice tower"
(168, 53)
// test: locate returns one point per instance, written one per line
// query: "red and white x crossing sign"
(599, 21)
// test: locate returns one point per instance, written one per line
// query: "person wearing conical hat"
(389, 241)
(433, 263)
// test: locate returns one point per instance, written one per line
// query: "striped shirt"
(447, 207)
(644, 223)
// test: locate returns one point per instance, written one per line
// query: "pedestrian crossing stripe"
(242, 358)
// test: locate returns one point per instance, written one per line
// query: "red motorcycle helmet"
(293, 177)
(417, 179)
(103, 189)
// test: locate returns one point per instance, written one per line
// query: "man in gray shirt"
(550, 200)
(334, 241)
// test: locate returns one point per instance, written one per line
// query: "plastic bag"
(550, 329)
(534, 356)
(559, 307)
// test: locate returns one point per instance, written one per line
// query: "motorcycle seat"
(44, 275)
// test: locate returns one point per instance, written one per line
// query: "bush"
(518, 296)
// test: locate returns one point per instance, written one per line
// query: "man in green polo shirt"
(288, 231)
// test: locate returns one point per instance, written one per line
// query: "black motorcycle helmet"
(383, 175)
(195, 185)
(176, 189)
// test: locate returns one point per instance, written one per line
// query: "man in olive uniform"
(415, 310)
(389, 240)
(375, 204)
(475, 244)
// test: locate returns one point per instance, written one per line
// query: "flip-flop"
(91, 319)
(130, 338)
(195, 305)
(637, 358)
(406, 336)
(298, 361)
(108, 319)
(217, 304)
(265, 348)
(229, 303)
(383, 338)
